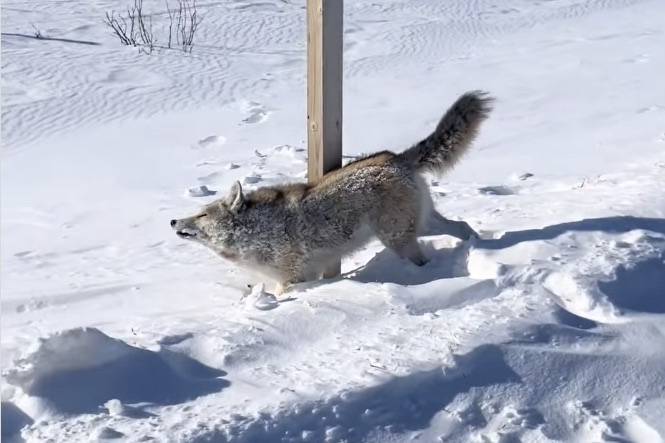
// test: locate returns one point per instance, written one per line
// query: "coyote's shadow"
(451, 262)
(610, 225)
(387, 267)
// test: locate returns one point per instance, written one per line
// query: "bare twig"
(38, 33)
(171, 18)
(132, 30)
(135, 28)
(187, 24)
(119, 29)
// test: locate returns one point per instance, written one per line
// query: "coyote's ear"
(235, 198)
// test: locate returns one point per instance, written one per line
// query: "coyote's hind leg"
(440, 225)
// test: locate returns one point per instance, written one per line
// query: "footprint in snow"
(258, 113)
(510, 423)
(522, 177)
(291, 151)
(211, 140)
(251, 179)
(199, 191)
(496, 190)
(106, 433)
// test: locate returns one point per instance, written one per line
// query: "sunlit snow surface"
(548, 329)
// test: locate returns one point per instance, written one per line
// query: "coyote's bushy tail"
(453, 135)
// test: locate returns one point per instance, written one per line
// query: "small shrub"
(135, 28)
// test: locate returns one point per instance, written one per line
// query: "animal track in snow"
(641, 58)
(652, 108)
(522, 177)
(496, 190)
(258, 113)
(509, 423)
(290, 151)
(602, 426)
(211, 140)
(106, 433)
(252, 179)
(199, 191)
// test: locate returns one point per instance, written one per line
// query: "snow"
(548, 328)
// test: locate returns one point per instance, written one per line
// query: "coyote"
(292, 232)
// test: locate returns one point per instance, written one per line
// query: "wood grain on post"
(325, 32)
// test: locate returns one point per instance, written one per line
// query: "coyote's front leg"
(291, 272)
(282, 287)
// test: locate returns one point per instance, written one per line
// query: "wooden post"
(325, 31)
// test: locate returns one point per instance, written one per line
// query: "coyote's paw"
(282, 288)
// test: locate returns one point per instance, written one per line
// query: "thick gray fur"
(292, 232)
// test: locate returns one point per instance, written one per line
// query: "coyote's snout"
(292, 232)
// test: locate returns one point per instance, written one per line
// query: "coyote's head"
(215, 225)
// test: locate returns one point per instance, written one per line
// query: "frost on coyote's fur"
(292, 232)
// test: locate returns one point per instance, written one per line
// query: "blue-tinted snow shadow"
(13, 420)
(639, 286)
(71, 384)
(159, 378)
(388, 267)
(401, 404)
(636, 287)
(612, 225)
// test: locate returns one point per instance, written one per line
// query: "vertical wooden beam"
(325, 32)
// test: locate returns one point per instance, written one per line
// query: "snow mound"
(260, 299)
(79, 370)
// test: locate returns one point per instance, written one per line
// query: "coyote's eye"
(202, 215)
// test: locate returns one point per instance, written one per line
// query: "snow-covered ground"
(550, 328)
